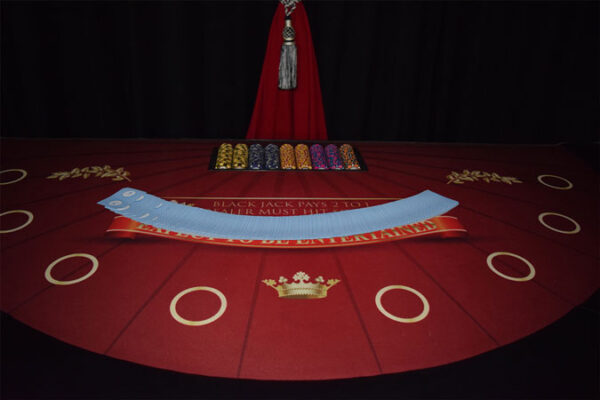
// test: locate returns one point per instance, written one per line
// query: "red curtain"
(289, 114)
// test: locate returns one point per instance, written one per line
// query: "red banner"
(440, 227)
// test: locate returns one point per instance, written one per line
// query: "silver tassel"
(289, 60)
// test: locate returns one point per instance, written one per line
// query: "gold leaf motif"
(54, 175)
(118, 174)
(75, 173)
(474, 176)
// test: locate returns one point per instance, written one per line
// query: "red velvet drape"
(289, 114)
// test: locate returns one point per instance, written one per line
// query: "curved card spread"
(148, 209)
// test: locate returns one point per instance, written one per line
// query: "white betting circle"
(23, 175)
(90, 257)
(216, 316)
(511, 278)
(29, 220)
(577, 228)
(391, 316)
(540, 179)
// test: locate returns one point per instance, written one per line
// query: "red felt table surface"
(123, 308)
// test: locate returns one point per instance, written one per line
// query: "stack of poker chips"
(348, 157)
(317, 154)
(303, 157)
(272, 157)
(287, 159)
(256, 157)
(333, 157)
(224, 156)
(240, 156)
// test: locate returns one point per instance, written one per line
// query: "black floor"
(561, 361)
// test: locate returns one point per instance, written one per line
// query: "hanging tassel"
(289, 60)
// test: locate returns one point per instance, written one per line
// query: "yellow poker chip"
(286, 157)
(240, 156)
(224, 156)
(303, 157)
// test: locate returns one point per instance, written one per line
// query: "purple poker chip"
(317, 155)
(333, 157)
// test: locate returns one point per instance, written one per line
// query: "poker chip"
(348, 157)
(302, 157)
(256, 157)
(334, 160)
(317, 155)
(286, 156)
(224, 156)
(240, 156)
(271, 156)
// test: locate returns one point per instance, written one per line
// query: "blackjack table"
(516, 258)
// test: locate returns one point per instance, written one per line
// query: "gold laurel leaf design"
(510, 180)
(476, 175)
(99, 172)
(55, 175)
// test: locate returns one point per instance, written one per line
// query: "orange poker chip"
(348, 157)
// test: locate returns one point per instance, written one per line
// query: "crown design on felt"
(301, 287)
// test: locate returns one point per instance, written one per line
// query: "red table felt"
(123, 308)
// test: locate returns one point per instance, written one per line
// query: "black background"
(511, 72)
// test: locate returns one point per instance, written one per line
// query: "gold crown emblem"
(301, 287)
